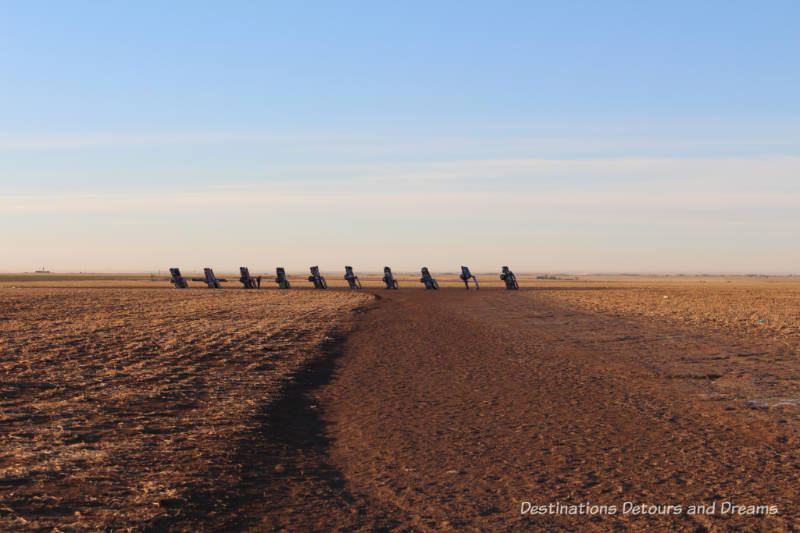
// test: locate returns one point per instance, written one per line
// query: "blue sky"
(563, 136)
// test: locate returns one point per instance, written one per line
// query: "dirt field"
(123, 407)
(748, 307)
(148, 408)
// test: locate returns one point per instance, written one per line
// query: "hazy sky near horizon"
(560, 136)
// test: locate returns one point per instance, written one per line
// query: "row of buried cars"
(254, 282)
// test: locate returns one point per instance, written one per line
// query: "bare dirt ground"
(123, 408)
(450, 409)
(734, 306)
(435, 411)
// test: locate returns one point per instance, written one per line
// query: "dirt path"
(449, 409)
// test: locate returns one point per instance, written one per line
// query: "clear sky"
(559, 136)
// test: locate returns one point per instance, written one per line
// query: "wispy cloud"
(484, 183)
(78, 140)
(377, 203)
(328, 142)
(733, 171)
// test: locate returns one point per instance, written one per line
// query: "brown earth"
(446, 410)
(120, 408)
